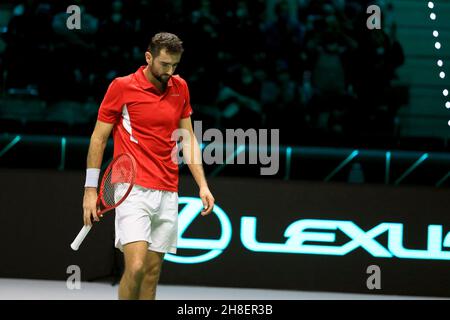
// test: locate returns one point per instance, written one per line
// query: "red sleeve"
(187, 108)
(111, 106)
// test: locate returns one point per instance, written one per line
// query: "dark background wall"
(41, 214)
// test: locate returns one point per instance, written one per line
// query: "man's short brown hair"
(165, 40)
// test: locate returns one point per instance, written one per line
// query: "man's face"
(163, 66)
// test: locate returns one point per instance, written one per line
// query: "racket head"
(122, 170)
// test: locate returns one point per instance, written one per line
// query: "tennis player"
(143, 110)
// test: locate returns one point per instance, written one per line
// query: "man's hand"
(207, 199)
(90, 206)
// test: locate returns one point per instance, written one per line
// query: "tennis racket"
(116, 185)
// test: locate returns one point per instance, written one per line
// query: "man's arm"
(97, 146)
(192, 156)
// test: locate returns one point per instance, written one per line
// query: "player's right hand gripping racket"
(116, 185)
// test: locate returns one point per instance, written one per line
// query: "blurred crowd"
(304, 66)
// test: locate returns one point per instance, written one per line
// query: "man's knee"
(136, 270)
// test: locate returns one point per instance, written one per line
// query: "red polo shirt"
(144, 121)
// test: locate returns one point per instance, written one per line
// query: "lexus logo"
(214, 247)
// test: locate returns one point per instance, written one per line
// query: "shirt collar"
(143, 81)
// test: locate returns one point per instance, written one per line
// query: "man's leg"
(135, 254)
(153, 264)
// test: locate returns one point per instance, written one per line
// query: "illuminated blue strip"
(440, 182)
(388, 167)
(412, 168)
(63, 154)
(288, 163)
(234, 155)
(343, 163)
(10, 145)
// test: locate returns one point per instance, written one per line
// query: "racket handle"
(80, 237)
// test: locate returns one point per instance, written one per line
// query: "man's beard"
(163, 78)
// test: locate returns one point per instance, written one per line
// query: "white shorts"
(148, 215)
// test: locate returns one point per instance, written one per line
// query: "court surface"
(24, 289)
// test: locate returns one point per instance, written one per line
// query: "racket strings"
(121, 172)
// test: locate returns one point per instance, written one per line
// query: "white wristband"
(92, 175)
